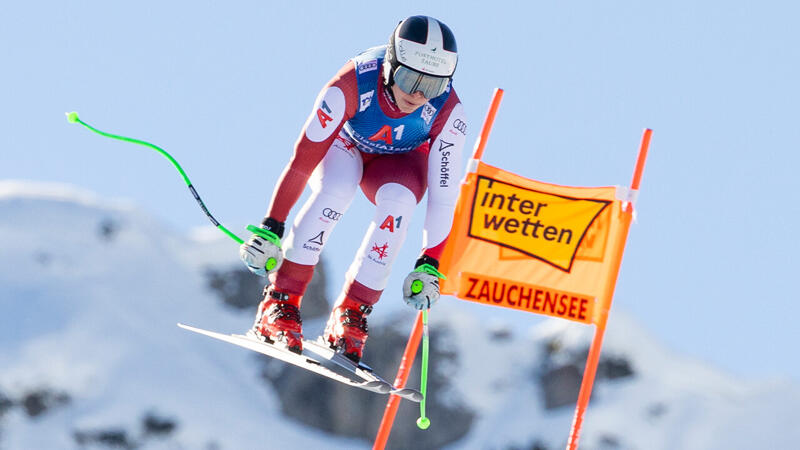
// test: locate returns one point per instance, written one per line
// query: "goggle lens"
(411, 81)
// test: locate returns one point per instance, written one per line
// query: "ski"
(317, 358)
(321, 349)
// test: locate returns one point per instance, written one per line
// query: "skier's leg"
(395, 184)
(333, 186)
(394, 206)
(366, 277)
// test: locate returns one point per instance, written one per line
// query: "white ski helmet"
(421, 56)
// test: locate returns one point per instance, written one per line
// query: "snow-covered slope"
(91, 290)
(90, 294)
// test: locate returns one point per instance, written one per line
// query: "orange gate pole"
(597, 342)
(400, 382)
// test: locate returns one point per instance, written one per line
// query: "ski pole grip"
(269, 236)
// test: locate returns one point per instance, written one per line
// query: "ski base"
(317, 357)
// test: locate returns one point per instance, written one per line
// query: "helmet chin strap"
(387, 85)
(390, 92)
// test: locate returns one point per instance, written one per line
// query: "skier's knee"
(395, 193)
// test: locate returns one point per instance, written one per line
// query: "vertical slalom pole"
(483, 138)
(593, 358)
(399, 382)
(390, 412)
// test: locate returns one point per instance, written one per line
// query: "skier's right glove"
(421, 287)
(262, 252)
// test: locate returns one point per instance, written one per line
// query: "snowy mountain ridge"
(90, 356)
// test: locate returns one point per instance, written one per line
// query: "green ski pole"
(423, 422)
(72, 117)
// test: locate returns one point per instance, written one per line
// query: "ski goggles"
(411, 81)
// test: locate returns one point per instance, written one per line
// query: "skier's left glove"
(421, 286)
(262, 252)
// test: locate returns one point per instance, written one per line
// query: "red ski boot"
(278, 320)
(347, 330)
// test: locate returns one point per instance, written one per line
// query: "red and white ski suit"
(329, 161)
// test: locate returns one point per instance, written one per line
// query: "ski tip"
(190, 328)
(409, 394)
(378, 386)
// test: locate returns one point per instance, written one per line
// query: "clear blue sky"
(225, 87)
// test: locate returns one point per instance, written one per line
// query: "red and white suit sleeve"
(444, 175)
(335, 105)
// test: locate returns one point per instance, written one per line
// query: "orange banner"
(531, 246)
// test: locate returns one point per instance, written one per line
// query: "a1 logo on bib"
(328, 114)
(385, 134)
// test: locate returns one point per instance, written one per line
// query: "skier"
(391, 122)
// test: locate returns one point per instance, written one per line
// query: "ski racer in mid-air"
(390, 122)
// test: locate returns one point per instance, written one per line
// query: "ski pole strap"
(423, 422)
(72, 117)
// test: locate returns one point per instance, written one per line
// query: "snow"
(91, 290)
(96, 317)
(670, 403)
